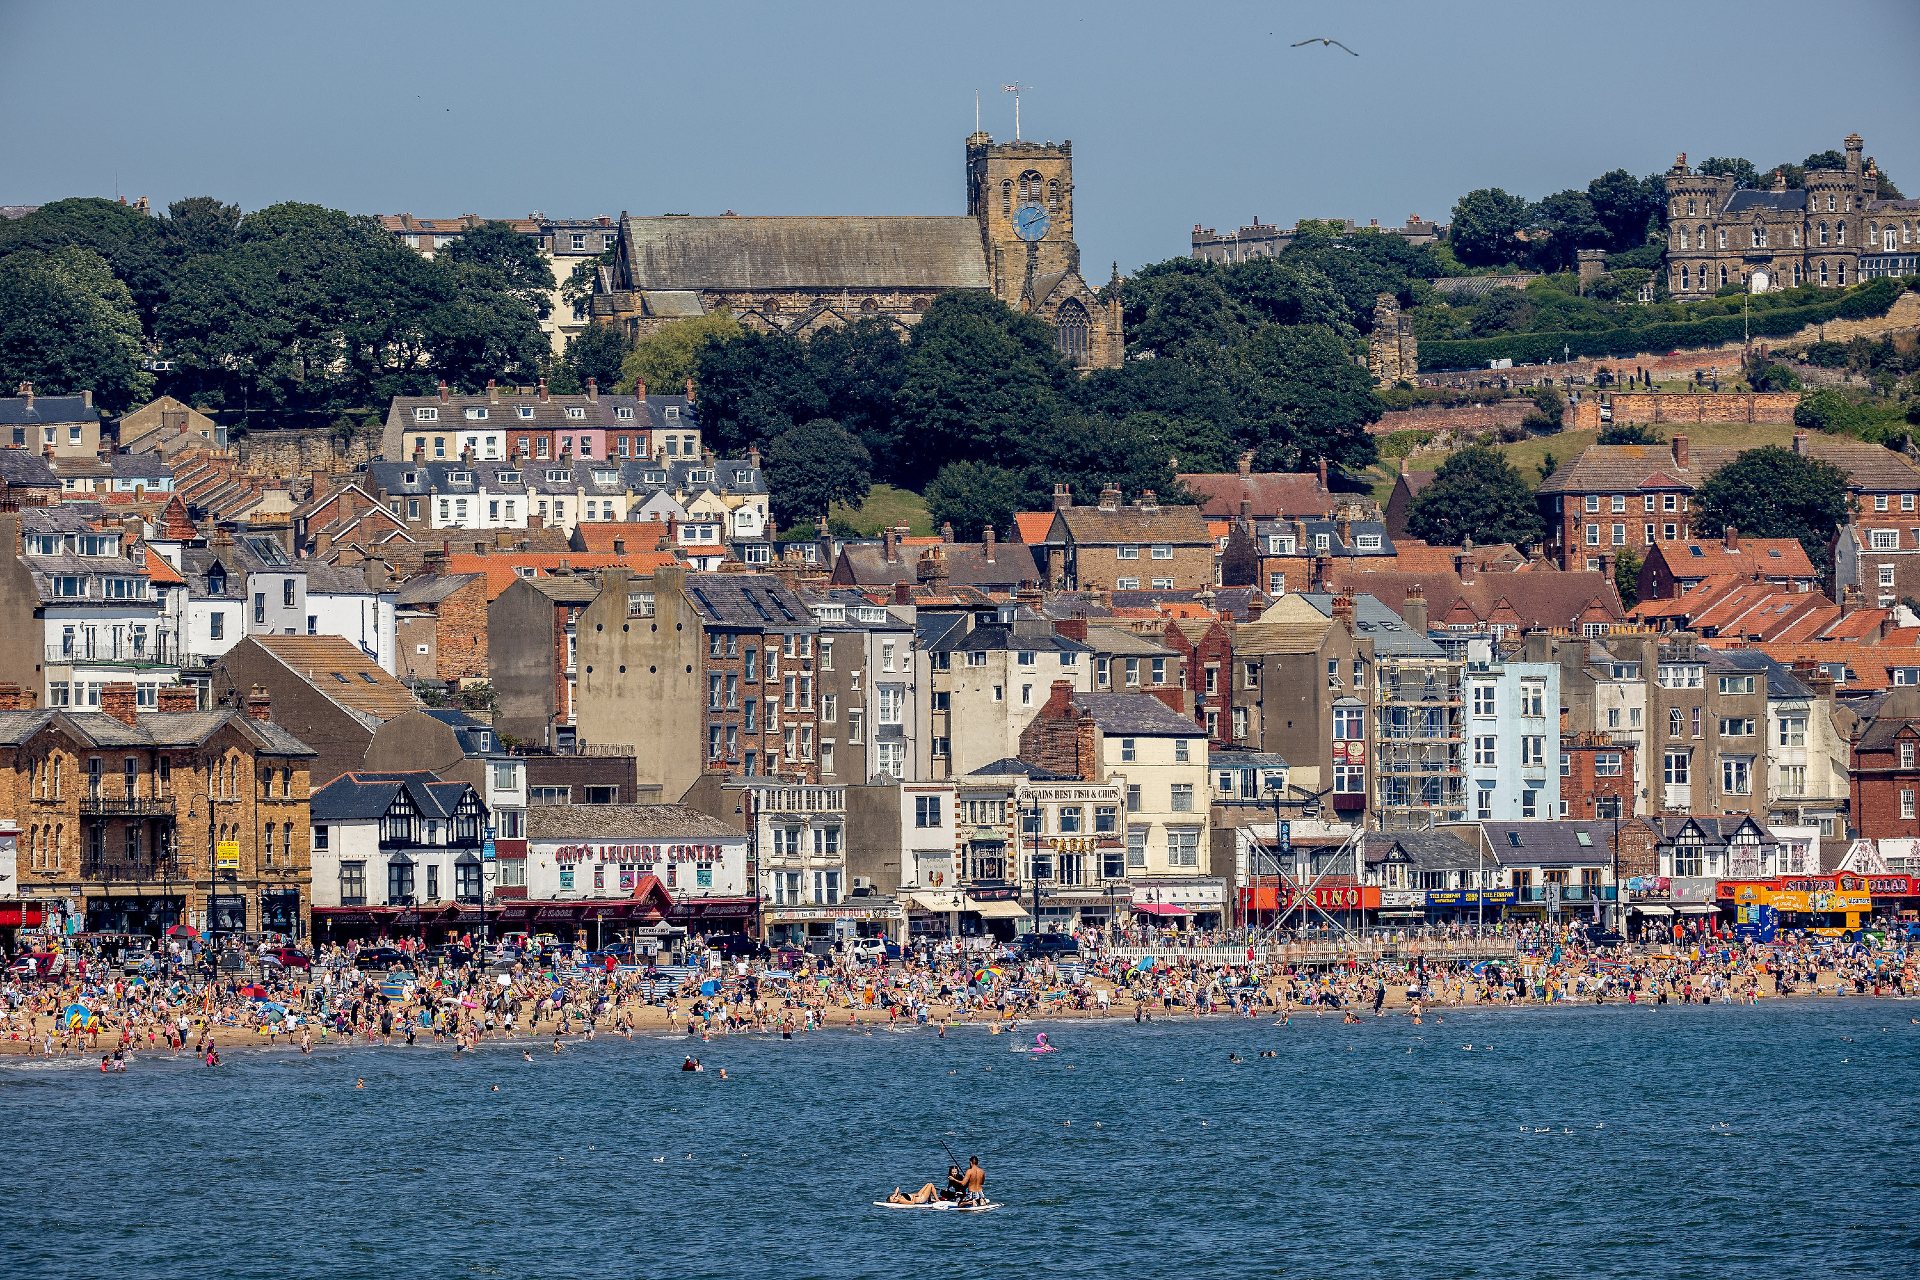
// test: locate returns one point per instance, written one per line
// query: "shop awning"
(1159, 909)
(937, 901)
(996, 910)
(1698, 909)
(1638, 909)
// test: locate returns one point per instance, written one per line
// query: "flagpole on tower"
(1015, 89)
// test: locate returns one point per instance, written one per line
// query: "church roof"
(805, 253)
(1779, 201)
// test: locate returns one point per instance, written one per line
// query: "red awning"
(1159, 909)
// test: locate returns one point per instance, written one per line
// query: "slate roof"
(865, 564)
(25, 469)
(511, 411)
(995, 636)
(624, 822)
(431, 589)
(1134, 715)
(754, 600)
(19, 411)
(1011, 767)
(672, 253)
(1774, 201)
(151, 729)
(365, 796)
(1780, 681)
(1426, 850)
(1391, 636)
(1553, 844)
(1271, 493)
(1623, 468)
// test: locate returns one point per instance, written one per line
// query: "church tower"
(1003, 180)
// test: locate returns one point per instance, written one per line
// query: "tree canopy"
(1475, 494)
(1772, 492)
(813, 465)
(68, 324)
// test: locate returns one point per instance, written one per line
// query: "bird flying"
(1322, 40)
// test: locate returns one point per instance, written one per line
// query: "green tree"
(1628, 433)
(981, 381)
(511, 262)
(1833, 411)
(973, 496)
(1628, 208)
(1740, 170)
(1549, 410)
(859, 368)
(664, 359)
(67, 324)
(1772, 492)
(1570, 223)
(755, 387)
(1302, 397)
(598, 352)
(198, 225)
(1477, 494)
(127, 239)
(1828, 159)
(813, 465)
(1185, 317)
(1485, 224)
(1626, 575)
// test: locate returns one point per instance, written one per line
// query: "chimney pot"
(259, 703)
(1062, 496)
(493, 392)
(1245, 463)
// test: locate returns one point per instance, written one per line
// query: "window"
(353, 883)
(1182, 797)
(1736, 684)
(1349, 723)
(926, 811)
(1883, 539)
(1349, 779)
(1608, 764)
(1162, 552)
(1736, 775)
(1126, 551)
(1133, 797)
(1793, 731)
(1136, 847)
(1677, 768)
(1483, 700)
(1529, 803)
(1532, 698)
(1183, 847)
(1906, 755)
(1736, 726)
(1486, 751)
(1533, 751)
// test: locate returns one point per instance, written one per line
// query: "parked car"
(381, 958)
(1034, 946)
(290, 958)
(874, 948)
(447, 953)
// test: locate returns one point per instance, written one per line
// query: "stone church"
(1835, 232)
(802, 274)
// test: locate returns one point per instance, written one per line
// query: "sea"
(1685, 1141)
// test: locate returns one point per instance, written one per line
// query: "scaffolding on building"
(1419, 744)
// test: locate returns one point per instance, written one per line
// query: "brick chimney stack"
(119, 701)
(1148, 501)
(753, 456)
(986, 543)
(14, 698)
(1415, 611)
(1343, 609)
(593, 389)
(889, 549)
(26, 391)
(443, 391)
(493, 392)
(1731, 538)
(177, 698)
(1681, 453)
(903, 593)
(1244, 464)
(1323, 474)
(1110, 498)
(544, 397)
(1062, 496)
(259, 704)
(946, 532)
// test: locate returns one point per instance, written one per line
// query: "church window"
(1759, 236)
(1071, 331)
(1873, 232)
(1701, 237)
(1053, 194)
(1823, 233)
(1796, 237)
(1799, 275)
(1006, 196)
(1892, 240)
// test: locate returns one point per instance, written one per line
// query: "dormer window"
(1369, 542)
(576, 413)
(1322, 541)
(506, 477)
(526, 412)
(426, 414)
(477, 414)
(673, 413)
(624, 413)
(606, 477)
(557, 475)
(411, 477)
(459, 477)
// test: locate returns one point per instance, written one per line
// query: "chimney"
(640, 388)
(1245, 463)
(1062, 496)
(14, 698)
(903, 593)
(118, 701)
(1149, 500)
(1463, 566)
(1246, 512)
(1343, 609)
(443, 391)
(1059, 700)
(86, 398)
(889, 554)
(689, 389)
(493, 392)
(753, 456)
(544, 397)
(593, 389)
(177, 698)
(1174, 697)
(1681, 454)
(1731, 538)
(26, 390)
(946, 532)
(259, 704)
(1343, 531)
(1317, 568)
(1110, 498)
(986, 543)
(1323, 475)
(1415, 611)
(1072, 629)
(1800, 443)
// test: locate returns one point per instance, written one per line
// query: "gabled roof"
(25, 469)
(364, 796)
(1271, 494)
(755, 600)
(341, 673)
(1539, 598)
(1527, 844)
(39, 410)
(1769, 558)
(1091, 526)
(762, 253)
(1134, 715)
(151, 729)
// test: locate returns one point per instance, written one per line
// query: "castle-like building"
(1834, 232)
(801, 274)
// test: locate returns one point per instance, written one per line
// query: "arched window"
(1840, 233)
(1823, 233)
(1823, 271)
(1723, 275)
(1795, 233)
(1006, 195)
(1691, 207)
(1799, 275)
(1032, 188)
(1891, 240)
(1759, 235)
(1683, 239)
(1842, 281)
(1684, 285)
(1072, 332)
(1700, 237)
(1721, 237)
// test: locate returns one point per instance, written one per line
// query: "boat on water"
(942, 1206)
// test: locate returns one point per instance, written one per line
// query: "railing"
(101, 805)
(1311, 953)
(154, 650)
(134, 871)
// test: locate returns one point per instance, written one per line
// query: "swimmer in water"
(360, 1083)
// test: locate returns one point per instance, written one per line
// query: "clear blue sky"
(1179, 113)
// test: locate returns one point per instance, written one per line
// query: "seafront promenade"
(1287, 955)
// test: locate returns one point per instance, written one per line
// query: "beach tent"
(80, 1018)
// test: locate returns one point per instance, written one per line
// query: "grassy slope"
(887, 506)
(1527, 454)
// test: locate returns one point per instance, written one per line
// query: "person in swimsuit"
(929, 1193)
(973, 1183)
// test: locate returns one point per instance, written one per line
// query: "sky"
(1179, 113)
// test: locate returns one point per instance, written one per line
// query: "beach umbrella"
(711, 987)
(183, 931)
(273, 1010)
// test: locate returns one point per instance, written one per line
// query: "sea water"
(1720, 1141)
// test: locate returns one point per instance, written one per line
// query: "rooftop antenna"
(1015, 89)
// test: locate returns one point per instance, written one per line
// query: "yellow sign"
(226, 856)
(1804, 902)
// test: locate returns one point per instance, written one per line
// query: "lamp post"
(1033, 866)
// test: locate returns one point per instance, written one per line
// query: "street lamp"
(1033, 866)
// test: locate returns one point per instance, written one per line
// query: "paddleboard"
(941, 1205)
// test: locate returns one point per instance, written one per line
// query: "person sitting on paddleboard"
(929, 1193)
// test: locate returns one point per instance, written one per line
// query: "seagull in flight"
(1323, 41)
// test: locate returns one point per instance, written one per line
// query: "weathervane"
(1015, 89)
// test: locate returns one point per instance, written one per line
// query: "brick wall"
(1061, 738)
(1878, 784)
(461, 637)
(1686, 407)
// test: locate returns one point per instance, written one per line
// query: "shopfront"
(1468, 906)
(1270, 898)
(146, 915)
(1168, 902)
(822, 927)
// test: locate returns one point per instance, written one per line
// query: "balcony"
(154, 649)
(130, 870)
(102, 804)
(1569, 893)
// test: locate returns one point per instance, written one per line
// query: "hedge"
(1875, 298)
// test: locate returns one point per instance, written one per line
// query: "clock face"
(1030, 222)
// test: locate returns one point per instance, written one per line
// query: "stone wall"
(286, 455)
(1684, 407)
(1393, 352)
(1451, 419)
